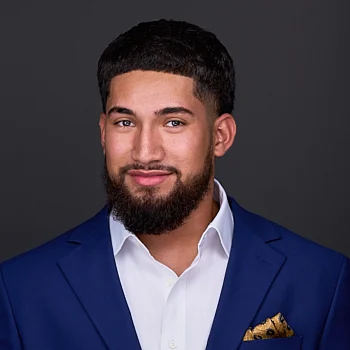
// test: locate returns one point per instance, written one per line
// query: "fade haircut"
(175, 47)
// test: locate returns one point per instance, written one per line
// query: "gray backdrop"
(290, 162)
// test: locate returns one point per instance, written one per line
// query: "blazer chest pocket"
(292, 343)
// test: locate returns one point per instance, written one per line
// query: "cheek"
(117, 149)
(188, 154)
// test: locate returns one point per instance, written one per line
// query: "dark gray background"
(290, 162)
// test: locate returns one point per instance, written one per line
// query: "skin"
(143, 132)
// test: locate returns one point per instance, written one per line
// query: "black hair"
(175, 47)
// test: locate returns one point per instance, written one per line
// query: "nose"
(147, 146)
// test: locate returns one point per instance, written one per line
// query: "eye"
(123, 123)
(174, 123)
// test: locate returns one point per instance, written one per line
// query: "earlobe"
(224, 134)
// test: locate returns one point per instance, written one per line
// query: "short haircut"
(175, 47)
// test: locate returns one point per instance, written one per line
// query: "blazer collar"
(257, 225)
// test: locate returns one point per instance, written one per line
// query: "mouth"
(149, 178)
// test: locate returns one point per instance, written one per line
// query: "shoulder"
(308, 255)
(303, 254)
(45, 256)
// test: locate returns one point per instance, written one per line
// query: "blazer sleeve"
(9, 338)
(336, 333)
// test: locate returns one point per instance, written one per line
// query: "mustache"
(123, 170)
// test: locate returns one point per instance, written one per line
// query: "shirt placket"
(173, 333)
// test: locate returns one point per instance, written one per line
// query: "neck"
(178, 248)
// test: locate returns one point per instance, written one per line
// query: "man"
(172, 262)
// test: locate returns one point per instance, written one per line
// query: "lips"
(149, 178)
(148, 173)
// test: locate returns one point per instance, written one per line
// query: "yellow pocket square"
(275, 327)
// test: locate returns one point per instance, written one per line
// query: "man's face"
(158, 149)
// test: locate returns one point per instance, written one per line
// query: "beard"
(149, 213)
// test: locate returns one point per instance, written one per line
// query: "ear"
(224, 134)
(102, 124)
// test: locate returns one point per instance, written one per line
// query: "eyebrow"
(159, 113)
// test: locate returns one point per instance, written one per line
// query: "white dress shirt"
(171, 312)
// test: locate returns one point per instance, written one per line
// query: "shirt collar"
(222, 223)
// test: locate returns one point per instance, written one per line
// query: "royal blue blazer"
(66, 294)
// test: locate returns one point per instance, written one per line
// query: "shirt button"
(172, 345)
(169, 282)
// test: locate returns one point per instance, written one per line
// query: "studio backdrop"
(290, 161)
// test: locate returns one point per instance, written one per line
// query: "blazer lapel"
(251, 269)
(91, 272)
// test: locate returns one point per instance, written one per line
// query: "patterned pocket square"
(275, 327)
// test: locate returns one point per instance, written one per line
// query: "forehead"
(153, 88)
